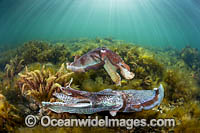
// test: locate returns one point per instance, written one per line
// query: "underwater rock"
(83, 102)
(102, 57)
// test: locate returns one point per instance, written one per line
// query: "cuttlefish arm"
(125, 71)
(112, 72)
(115, 61)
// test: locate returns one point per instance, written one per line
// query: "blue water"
(147, 22)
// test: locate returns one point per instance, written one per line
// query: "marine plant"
(40, 84)
(9, 118)
(191, 57)
(151, 66)
(6, 56)
(40, 51)
(30, 50)
(14, 67)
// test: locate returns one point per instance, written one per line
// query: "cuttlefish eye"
(103, 51)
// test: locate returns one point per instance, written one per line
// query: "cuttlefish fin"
(113, 113)
(153, 101)
(111, 70)
(145, 99)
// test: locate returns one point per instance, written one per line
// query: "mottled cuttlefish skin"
(102, 57)
(90, 60)
(83, 102)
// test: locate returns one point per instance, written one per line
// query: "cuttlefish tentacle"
(83, 102)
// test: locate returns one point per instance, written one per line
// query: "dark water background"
(147, 22)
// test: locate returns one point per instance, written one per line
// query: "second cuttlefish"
(102, 57)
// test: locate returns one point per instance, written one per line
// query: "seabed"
(31, 72)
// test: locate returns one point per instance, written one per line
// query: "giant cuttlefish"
(83, 102)
(102, 57)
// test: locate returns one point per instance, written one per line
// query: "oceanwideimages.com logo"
(46, 121)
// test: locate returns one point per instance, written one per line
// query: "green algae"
(9, 117)
(152, 67)
(14, 67)
(43, 52)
